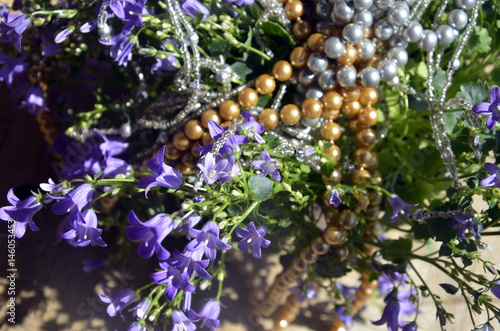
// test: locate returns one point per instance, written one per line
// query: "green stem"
(243, 216)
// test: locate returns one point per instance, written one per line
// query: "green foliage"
(260, 188)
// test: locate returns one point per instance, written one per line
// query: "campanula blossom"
(21, 212)
(121, 48)
(232, 142)
(206, 241)
(12, 27)
(12, 66)
(496, 290)
(162, 174)
(83, 229)
(174, 278)
(239, 3)
(492, 108)
(391, 312)
(494, 179)
(188, 222)
(399, 207)
(117, 301)
(182, 322)
(460, 224)
(252, 238)
(64, 34)
(188, 263)
(78, 198)
(150, 233)
(340, 313)
(267, 166)
(34, 100)
(191, 7)
(208, 315)
(335, 198)
(217, 168)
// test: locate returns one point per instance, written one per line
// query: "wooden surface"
(53, 293)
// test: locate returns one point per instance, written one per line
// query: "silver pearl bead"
(317, 62)
(413, 32)
(369, 77)
(353, 33)
(465, 4)
(429, 40)
(387, 69)
(306, 77)
(384, 4)
(398, 40)
(399, 55)
(343, 12)
(314, 93)
(327, 80)
(362, 4)
(310, 122)
(346, 76)
(193, 38)
(223, 75)
(457, 19)
(398, 15)
(445, 34)
(323, 9)
(383, 29)
(363, 17)
(126, 130)
(105, 32)
(401, 4)
(454, 64)
(334, 47)
(366, 49)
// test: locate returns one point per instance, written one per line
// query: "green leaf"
(241, 69)
(305, 168)
(234, 210)
(479, 41)
(449, 288)
(444, 250)
(219, 47)
(396, 249)
(439, 227)
(271, 29)
(327, 168)
(421, 230)
(260, 188)
(439, 79)
(474, 92)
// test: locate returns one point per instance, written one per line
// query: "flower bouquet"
(347, 138)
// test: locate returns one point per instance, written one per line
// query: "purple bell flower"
(252, 238)
(208, 315)
(233, 141)
(21, 212)
(391, 312)
(335, 198)
(122, 48)
(117, 301)
(11, 66)
(492, 109)
(460, 224)
(162, 174)
(399, 207)
(216, 169)
(83, 229)
(150, 233)
(267, 165)
(206, 240)
(494, 179)
(181, 322)
(174, 278)
(188, 263)
(78, 198)
(496, 290)
(12, 27)
(191, 7)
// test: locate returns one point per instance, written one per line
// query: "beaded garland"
(345, 50)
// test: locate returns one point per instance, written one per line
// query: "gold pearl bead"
(334, 179)
(210, 115)
(374, 60)
(308, 256)
(330, 115)
(194, 149)
(265, 84)
(332, 216)
(301, 29)
(372, 213)
(319, 246)
(194, 129)
(294, 9)
(332, 101)
(348, 219)
(282, 70)
(376, 178)
(334, 235)
(365, 138)
(363, 200)
(312, 108)
(316, 42)
(225, 124)
(368, 96)
(206, 139)
(354, 125)
(184, 169)
(351, 108)
(332, 31)
(368, 116)
(368, 33)
(171, 153)
(349, 56)
(340, 254)
(248, 97)
(298, 57)
(330, 131)
(268, 118)
(375, 198)
(361, 177)
(374, 162)
(181, 141)
(229, 110)
(351, 93)
(334, 153)
(188, 159)
(290, 114)
(362, 158)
